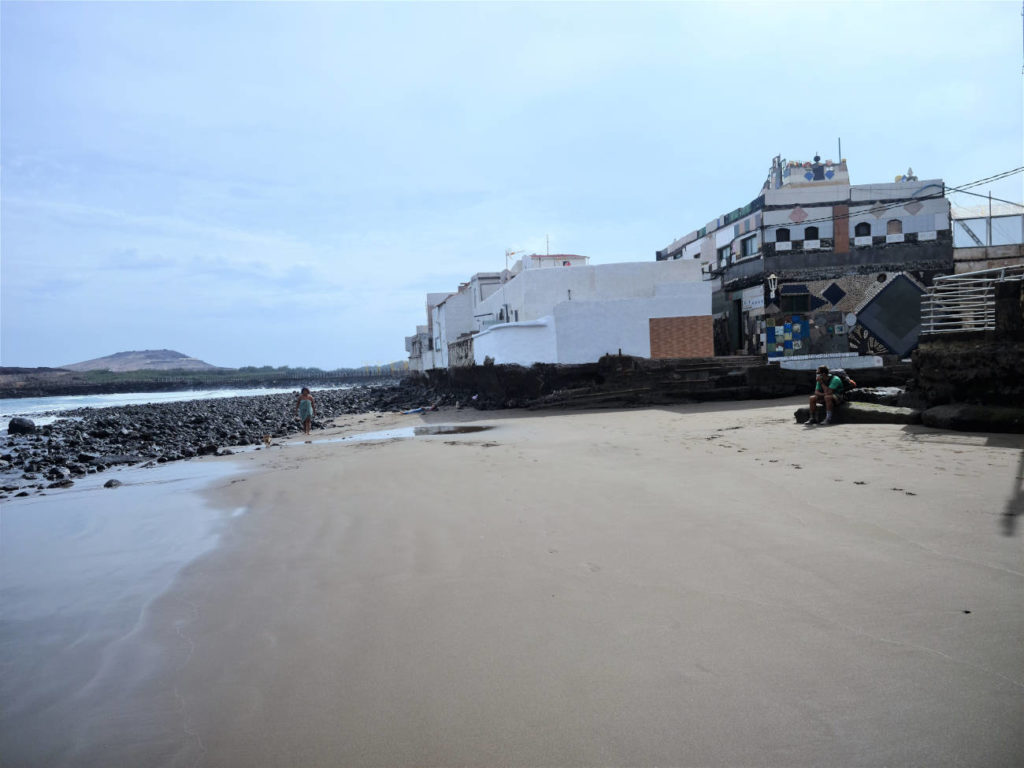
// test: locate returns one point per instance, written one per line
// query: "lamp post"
(773, 283)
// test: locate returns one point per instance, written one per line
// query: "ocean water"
(35, 407)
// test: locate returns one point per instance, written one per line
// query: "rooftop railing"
(964, 303)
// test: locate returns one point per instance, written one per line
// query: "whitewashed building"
(450, 317)
(576, 314)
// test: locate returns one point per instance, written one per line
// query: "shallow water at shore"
(79, 570)
(399, 433)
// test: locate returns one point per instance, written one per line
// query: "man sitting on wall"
(828, 389)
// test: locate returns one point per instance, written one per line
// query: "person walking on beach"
(828, 389)
(305, 409)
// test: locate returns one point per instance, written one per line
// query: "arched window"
(811, 233)
(894, 227)
(782, 235)
(862, 230)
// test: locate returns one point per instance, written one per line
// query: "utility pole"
(988, 240)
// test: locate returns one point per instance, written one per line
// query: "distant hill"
(144, 360)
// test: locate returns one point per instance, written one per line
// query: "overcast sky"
(282, 183)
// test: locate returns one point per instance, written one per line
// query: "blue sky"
(282, 183)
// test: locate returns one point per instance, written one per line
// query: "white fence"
(964, 303)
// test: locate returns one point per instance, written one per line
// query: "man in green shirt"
(828, 389)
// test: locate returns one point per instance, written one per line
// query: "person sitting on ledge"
(828, 389)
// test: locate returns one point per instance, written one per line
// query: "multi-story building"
(450, 317)
(578, 314)
(817, 266)
(573, 314)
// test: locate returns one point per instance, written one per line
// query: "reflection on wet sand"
(79, 573)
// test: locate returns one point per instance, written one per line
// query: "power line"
(987, 197)
(947, 190)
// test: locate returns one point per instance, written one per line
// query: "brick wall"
(682, 337)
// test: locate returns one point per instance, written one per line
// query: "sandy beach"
(702, 585)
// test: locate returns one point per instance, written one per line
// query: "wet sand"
(695, 586)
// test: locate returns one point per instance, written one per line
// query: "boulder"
(975, 418)
(19, 425)
(865, 413)
(879, 395)
(58, 472)
(112, 483)
(117, 458)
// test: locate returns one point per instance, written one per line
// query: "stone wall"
(984, 368)
(622, 381)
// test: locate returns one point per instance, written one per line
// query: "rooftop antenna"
(547, 239)
(840, 158)
(504, 279)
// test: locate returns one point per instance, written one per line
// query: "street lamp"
(773, 283)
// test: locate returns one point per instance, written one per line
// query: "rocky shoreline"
(90, 440)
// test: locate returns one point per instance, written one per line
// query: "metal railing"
(964, 303)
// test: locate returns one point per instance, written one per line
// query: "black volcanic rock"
(19, 425)
(96, 439)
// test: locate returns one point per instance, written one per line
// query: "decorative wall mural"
(863, 342)
(786, 335)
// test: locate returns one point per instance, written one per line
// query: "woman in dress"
(305, 409)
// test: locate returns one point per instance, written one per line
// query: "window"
(811, 233)
(723, 255)
(862, 230)
(795, 302)
(749, 246)
(782, 235)
(894, 227)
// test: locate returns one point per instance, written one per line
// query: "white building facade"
(576, 314)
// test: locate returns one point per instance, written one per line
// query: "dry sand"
(702, 585)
